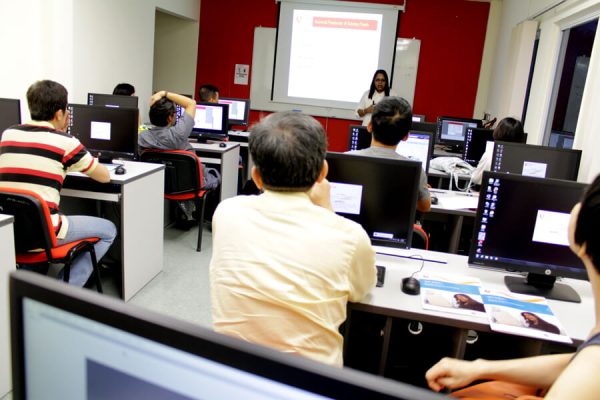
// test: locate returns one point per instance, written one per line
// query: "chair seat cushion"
(58, 253)
(184, 196)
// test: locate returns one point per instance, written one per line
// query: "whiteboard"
(404, 76)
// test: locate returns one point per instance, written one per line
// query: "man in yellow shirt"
(284, 264)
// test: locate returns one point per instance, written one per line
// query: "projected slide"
(321, 70)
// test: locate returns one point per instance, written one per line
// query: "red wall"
(452, 34)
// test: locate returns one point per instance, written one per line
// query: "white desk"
(228, 160)
(390, 302)
(140, 194)
(7, 264)
(241, 137)
(456, 205)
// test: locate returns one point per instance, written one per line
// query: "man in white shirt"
(284, 264)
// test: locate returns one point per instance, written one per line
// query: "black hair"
(207, 92)
(391, 120)
(160, 112)
(288, 149)
(588, 220)
(509, 130)
(386, 89)
(124, 89)
(45, 98)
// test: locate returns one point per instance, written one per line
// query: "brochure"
(451, 293)
(521, 314)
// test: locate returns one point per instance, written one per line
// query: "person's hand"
(369, 109)
(320, 194)
(451, 373)
(157, 96)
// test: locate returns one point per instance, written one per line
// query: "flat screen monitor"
(418, 118)
(239, 110)
(522, 225)
(378, 193)
(105, 131)
(537, 161)
(210, 122)
(424, 126)
(10, 113)
(180, 110)
(112, 100)
(452, 130)
(477, 141)
(418, 147)
(359, 138)
(69, 343)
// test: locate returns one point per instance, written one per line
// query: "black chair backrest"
(181, 170)
(30, 228)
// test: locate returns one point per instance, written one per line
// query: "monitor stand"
(542, 285)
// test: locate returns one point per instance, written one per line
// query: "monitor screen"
(112, 350)
(10, 113)
(418, 118)
(105, 131)
(180, 110)
(452, 130)
(112, 100)
(418, 147)
(378, 193)
(537, 161)
(210, 121)
(521, 225)
(477, 141)
(359, 138)
(239, 110)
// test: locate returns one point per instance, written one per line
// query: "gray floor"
(181, 289)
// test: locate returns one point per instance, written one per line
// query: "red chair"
(35, 239)
(420, 238)
(183, 179)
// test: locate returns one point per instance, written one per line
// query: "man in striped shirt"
(37, 156)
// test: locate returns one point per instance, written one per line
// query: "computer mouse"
(434, 200)
(120, 170)
(222, 144)
(411, 286)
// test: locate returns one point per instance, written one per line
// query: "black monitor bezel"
(241, 122)
(126, 101)
(425, 127)
(361, 127)
(488, 131)
(191, 338)
(431, 146)
(551, 270)
(108, 155)
(438, 131)
(212, 134)
(389, 163)
(577, 153)
(13, 102)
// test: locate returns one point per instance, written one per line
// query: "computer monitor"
(69, 343)
(522, 225)
(378, 193)
(105, 131)
(418, 147)
(424, 127)
(418, 118)
(451, 131)
(538, 161)
(359, 138)
(210, 122)
(477, 141)
(10, 113)
(112, 100)
(180, 110)
(239, 110)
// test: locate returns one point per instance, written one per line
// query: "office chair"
(183, 179)
(420, 238)
(35, 239)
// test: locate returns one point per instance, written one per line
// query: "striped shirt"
(37, 157)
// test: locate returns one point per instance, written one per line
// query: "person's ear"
(324, 171)
(256, 178)
(370, 127)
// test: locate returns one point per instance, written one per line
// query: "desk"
(241, 137)
(7, 264)
(456, 205)
(391, 304)
(228, 160)
(140, 194)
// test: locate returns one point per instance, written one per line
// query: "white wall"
(87, 45)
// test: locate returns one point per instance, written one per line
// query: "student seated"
(37, 156)
(124, 89)
(564, 376)
(284, 265)
(208, 94)
(389, 125)
(507, 130)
